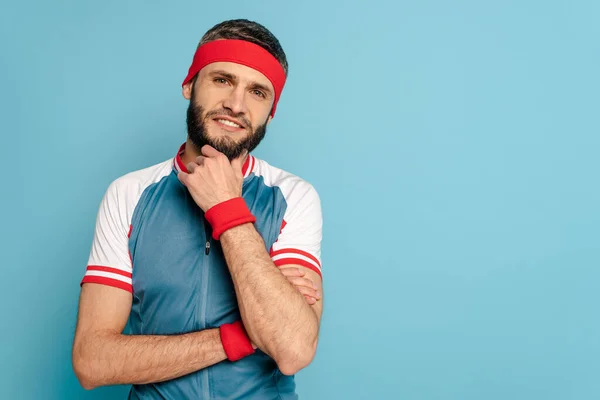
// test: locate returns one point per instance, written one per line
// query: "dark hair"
(243, 29)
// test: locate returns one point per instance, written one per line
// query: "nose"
(236, 101)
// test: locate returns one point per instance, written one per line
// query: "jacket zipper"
(208, 236)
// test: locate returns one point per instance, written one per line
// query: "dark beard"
(197, 132)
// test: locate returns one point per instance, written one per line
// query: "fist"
(212, 179)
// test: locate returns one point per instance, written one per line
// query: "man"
(214, 256)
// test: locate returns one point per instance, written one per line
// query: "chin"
(226, 137)
(223, 140)
(218, 133)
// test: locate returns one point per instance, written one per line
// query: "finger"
(292, 272)
(301, 282)
(210, 151)
(296, 269)
(191, 167)
(310, 300)
(308, 291)
(200, 160)
(183, 177)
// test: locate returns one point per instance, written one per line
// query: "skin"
(280, 307)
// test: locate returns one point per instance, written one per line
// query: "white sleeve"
(110, 262)
(300, 239)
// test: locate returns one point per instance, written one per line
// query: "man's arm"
(102, 355)
(276, 316)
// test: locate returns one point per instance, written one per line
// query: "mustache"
(225, 112)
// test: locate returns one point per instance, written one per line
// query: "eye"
(221, 81)
(259, 93)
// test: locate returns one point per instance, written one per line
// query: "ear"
(186, 90)
(269, 119)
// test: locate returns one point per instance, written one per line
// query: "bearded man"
(211, 257)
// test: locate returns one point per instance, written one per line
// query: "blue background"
(454, 145)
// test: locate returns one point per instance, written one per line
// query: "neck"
(190, 152)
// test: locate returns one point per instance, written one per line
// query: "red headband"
(240, 52)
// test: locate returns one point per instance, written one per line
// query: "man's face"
(229, 108)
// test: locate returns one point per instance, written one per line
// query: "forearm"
(276, 316)
(111, 358)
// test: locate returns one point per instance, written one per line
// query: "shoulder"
(124, 193)
(295, 189)
(134, 183)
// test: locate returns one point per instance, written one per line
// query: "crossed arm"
(103, 355)
(276, 316)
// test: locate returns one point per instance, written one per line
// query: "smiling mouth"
(227, 122)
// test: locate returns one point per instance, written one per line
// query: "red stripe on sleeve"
(295, 251)
(108, 282)
(109, 269)
(297, 261)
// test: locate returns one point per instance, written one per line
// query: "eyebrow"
(224, 74)
(256, 85)
(233, 78)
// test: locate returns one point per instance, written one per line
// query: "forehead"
(244, 74)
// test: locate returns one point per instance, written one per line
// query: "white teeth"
(228, 123)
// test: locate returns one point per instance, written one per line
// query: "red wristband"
(228, 214)
(235, 341)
